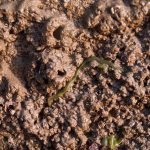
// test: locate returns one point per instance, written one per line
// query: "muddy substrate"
(42, 42)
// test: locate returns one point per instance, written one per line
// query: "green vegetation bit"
(111, 141)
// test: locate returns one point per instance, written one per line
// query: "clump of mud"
(41, 45)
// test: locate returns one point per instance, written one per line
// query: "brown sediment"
(42, 43)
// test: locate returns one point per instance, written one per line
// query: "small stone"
(131, 123)
(120, 122)
(12, 112)
(1, 101)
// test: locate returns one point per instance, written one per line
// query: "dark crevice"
(61, 73)
(57, 32)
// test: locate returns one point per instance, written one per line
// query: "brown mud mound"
(42, 42)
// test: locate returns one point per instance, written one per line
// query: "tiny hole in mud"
(72, 132)
(4, 18)
(11, 107)
(61, 73)
(35, 122)
(146, 81)
(5, 139)
(114, 112)
(11, 31)
(57, 32)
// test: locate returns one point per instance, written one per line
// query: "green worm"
(62, 91)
